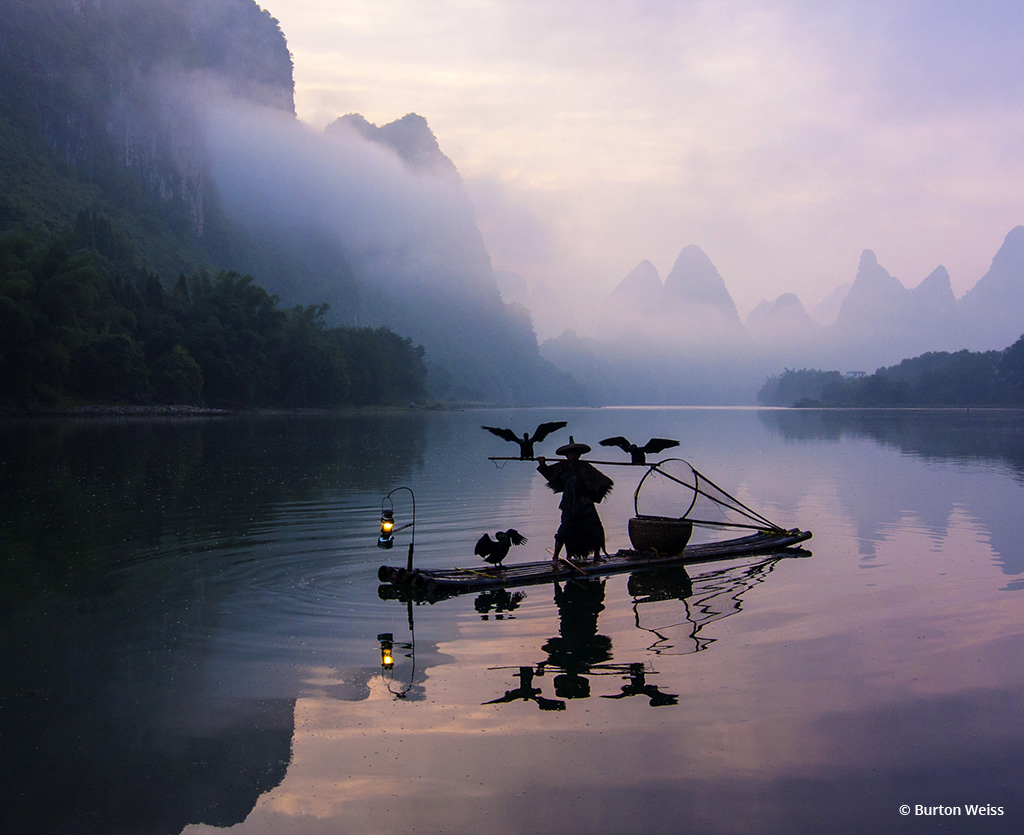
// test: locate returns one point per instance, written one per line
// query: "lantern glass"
(387, 658)
(387, 528)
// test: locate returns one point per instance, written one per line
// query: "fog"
(410, 229)
(398, 226)
(417, 234)
(783, 137)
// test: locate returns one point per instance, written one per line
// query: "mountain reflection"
(959, 434)
(878, 494)
(123, 544)
(121, 735)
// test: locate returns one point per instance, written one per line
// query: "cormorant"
(494, 552)
(526, 442)
(638, 454)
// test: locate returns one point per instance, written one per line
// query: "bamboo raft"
(459, 580)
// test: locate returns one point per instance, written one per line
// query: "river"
(191, 619)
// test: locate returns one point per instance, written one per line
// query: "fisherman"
(582, 487)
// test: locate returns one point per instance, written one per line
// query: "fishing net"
(673, 489)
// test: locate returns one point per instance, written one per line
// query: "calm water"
(190, 613)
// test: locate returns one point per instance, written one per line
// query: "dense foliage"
(963, 378)
(79, 322)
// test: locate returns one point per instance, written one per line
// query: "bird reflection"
(528, 693)
(499, 601)
(638, 454)
(638, 686)
(527, 441)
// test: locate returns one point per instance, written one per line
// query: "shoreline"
(113, 411)
(186, 411)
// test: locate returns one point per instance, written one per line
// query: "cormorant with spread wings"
(494, 552)
(638, 454)
(526, 442)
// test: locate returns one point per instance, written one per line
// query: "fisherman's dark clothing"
(582, 486)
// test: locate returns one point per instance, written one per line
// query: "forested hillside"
(105, 107)
(935, 379)
(80, 323)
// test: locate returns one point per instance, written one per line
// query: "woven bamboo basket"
(662, 534)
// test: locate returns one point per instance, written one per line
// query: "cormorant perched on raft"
(494, 552)
(526, 442)
(638, 454)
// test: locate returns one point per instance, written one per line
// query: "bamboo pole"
(584, 460)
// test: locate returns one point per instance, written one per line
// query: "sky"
(783, 137)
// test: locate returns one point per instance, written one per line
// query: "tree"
(177, 378)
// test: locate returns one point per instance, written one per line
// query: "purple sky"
(781, 136)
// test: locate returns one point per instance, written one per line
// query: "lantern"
(387, 643)
(387, 529)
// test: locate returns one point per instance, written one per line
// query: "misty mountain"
(881, 321)
(826, 311)
(410, 137)
(692, 307)
(641, 291)
(991, 312)
(694, 284)
(176, 119)
(680, 341)
(653, 348)
(784, 324)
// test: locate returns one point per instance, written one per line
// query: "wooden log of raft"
(456, 580)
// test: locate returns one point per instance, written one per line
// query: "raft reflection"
(580, 653)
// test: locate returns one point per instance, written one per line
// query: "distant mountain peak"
(694, 279)
(1011, 253)
(993, 309)
(936, 284)
(786, 317)
(409, 137)
(870, 272)
(641, 289)
(868, 261)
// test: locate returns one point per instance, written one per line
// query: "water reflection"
(580, 652)
(528, 693)
(956, 445)
(408, 686)
(637, 685)
(501, 602)
(960, 434)
(189, 633)
(578, 647)
(576, 653)
(716, 595)
(123, 544)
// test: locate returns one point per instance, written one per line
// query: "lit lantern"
(387, 529)
(387, 642)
